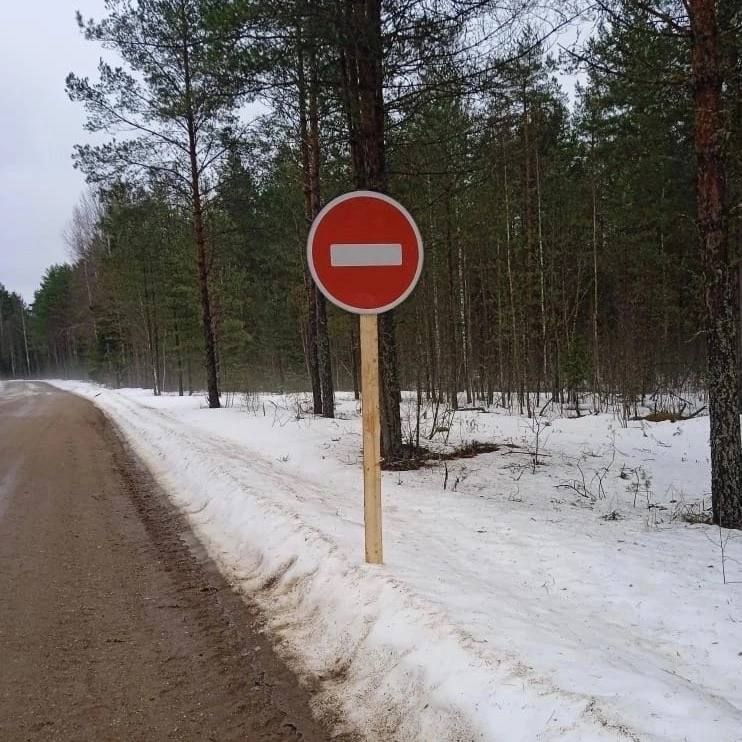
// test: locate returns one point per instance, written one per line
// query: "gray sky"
(39, 44)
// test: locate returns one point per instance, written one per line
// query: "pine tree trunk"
(324, 358)
(310, 347)
(596, 347)
(453, 365)
(515, 354)
(25, 339)
(158, 350)
(178, 353)
(362, 61)
(199, 233)
(726, 456)
(542, 276)
(203, 286)
(354, 359)
(391, 397)
(152, 349)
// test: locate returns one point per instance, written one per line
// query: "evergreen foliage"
(561, 237)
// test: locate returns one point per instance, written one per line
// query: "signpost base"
(371, 437)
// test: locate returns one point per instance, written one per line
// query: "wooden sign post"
(371, 437)
(365, 254)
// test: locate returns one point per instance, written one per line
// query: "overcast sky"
(39, 44)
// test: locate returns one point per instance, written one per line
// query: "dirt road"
(111, 627)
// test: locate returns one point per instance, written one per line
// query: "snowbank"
(561, 603)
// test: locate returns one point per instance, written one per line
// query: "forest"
(581, 239)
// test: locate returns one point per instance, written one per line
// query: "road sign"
(365, 252)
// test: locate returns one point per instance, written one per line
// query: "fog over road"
(111, 626)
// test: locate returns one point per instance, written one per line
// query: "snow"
(516, 604)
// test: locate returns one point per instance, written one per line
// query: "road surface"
(111, 626)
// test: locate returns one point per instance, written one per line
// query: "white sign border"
(310, 239)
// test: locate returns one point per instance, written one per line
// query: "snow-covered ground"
(565, 601)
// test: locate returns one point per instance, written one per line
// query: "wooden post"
(371, 437)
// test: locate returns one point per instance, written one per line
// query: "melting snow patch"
(558, 601)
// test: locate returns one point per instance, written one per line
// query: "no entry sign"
(365, 252)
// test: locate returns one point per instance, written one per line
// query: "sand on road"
(113, 625)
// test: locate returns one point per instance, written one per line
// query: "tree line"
(574, 242)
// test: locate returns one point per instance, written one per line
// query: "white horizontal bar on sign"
(365, 255)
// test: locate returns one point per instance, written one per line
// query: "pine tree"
(177, 102)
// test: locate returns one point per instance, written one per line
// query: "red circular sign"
(365, 252)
